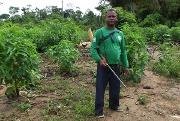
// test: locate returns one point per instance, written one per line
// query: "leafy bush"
(72, 32)
(65, 54)
(175, 34)
(151, 20)
(125, 17)
(162, 33)
(169, 62)
(9, 30)
(50, 32)
(136, 49)
(177, 24)
(149, 34)
(18, 64)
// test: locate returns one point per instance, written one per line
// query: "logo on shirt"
(94, 39)
(119, 38)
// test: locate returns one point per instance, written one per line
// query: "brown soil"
(163, 101)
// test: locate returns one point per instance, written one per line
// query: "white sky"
(82, 4)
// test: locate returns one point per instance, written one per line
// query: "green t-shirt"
(112, 48)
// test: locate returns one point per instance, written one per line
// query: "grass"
(76, 103)
(169, 62)
(23, 106)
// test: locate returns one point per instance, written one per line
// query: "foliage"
(51, 32)
(162, 33)
(9, 30)
(149, 33)
(175, 34)
(18, 63)
(76, 103)
(168, 8)
(24, 106)
(85, 105)
(177, 24)
(151, 20)
(169, 62)
(136, 48)
(46, 33)
(65, 54)
(4, 16)
(143, 99)
(125, 17)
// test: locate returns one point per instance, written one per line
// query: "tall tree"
(168, 8)
(4, 16)
(13, 10)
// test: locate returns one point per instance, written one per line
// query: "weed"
(143, 99)
(24, 106)
(169, 62)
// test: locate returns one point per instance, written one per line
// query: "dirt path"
(163, 101)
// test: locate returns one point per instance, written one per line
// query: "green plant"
(169, 62)
(50, 32)
(18, 64)
(125, 17)
(143, 99)
(81, 102)
(151, 20)
(177, 24)
(149, 34)
(65, 54)
(85, 105)
(162, 33)
(136, 50)
(175, 34)
(24, 106)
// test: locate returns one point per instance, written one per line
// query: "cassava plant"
(65, 54)
(169, 61)
(18, 64)
(136, 49)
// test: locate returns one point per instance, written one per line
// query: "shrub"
(177, 24)
(136, 49)
(10, 30)
(65, 54)
(149, 34)
(51, 32)
(125, 17)
(175, 34)
(18, 64)
(151, 20)
(72, 32)
(169, 62)
(162, 33)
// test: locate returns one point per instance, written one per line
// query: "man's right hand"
(103, 62)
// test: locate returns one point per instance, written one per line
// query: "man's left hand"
(126, 72)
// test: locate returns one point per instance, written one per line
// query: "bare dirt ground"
(163, 104)
(162, 97)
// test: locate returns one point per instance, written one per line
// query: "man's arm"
(124, 59)
(94, 47)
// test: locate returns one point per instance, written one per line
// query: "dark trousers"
(104, 75)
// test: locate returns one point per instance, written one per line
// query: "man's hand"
(126, 72)
(103, 62)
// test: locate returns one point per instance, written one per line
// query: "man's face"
(111, 18)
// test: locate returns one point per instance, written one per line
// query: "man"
(108, 47)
